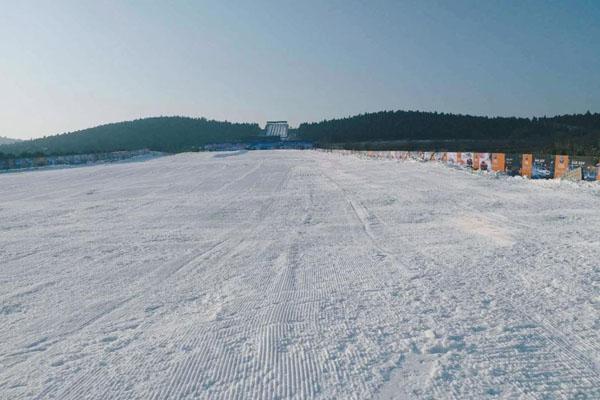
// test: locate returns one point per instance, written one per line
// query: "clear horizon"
(71, 65)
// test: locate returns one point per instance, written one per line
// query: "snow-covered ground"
(289, 274)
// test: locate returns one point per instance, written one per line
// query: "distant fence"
(529, 165)
(74, 159)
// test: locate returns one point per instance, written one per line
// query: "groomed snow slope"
(292, 274)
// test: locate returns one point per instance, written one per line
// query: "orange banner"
(475, 161)
(561, 165)
(526, 165)
(498, 162)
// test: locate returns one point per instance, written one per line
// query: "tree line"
(577, 134)
(168, 134)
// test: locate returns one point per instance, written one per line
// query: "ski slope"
(292, 275)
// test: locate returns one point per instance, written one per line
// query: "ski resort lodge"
(277, 128)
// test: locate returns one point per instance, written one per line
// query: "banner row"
(529, 165)
(75, 159)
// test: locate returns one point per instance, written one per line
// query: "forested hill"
(578, 133)
(170, 134)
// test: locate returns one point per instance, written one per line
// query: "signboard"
(475, 161)
(527, 165)
(484, 161)
(561, 165)
(543, 167)
(498, 162)
(588, 166)
(466, 158)
(513, 163)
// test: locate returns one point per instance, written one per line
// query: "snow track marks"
(292, 275)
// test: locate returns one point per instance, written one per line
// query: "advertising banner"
(588, 166)
(475, 161)
(484, 161)
(498, 162)
(527, 165)
(466, 159)
(561, 165)
(543, 166)
(513, 163)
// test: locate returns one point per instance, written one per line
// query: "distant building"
(277, 128)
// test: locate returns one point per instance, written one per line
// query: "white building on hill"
(277, 128)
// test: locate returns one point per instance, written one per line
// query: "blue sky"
(68, 65)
